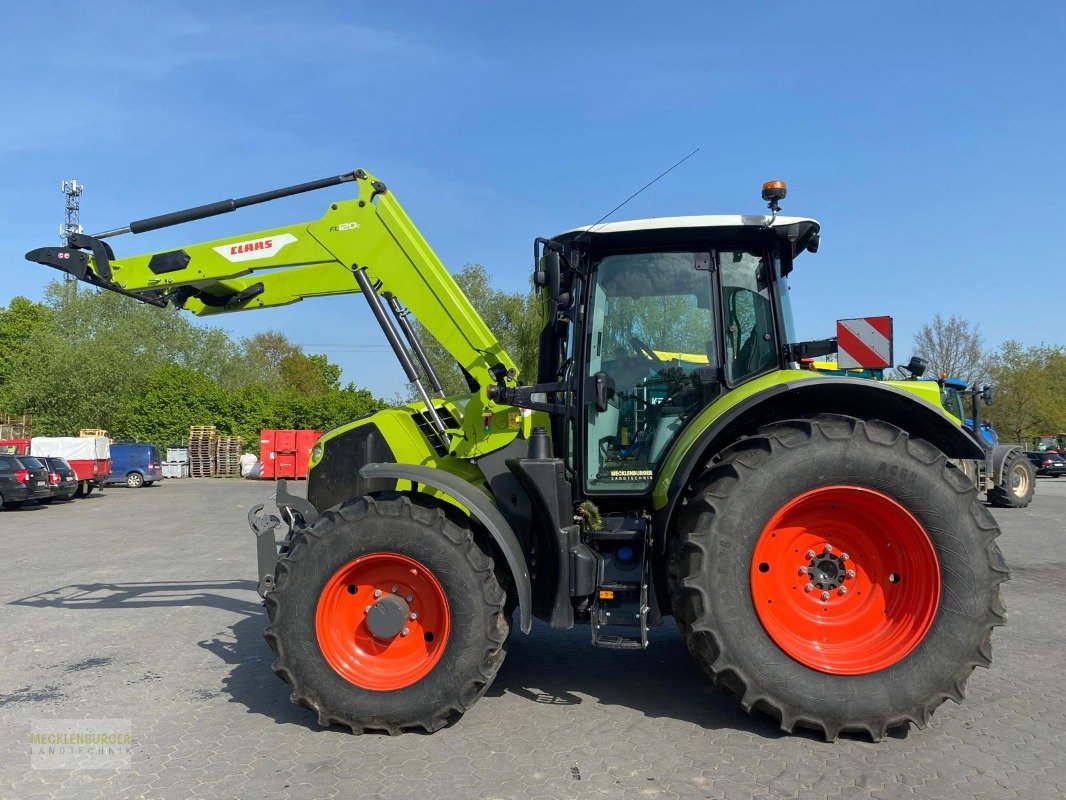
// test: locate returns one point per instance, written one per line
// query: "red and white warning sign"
(864, 343)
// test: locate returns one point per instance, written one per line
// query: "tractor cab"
(667, 316)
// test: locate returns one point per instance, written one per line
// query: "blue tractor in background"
(1008, 476)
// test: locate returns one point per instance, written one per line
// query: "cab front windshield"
(653, 337)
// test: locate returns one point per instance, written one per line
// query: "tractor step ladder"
(620, 604)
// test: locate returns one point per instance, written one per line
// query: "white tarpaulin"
(72, 448)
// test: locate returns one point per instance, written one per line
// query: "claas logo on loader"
(254, 248)
(251, 247)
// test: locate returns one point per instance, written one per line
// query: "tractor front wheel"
(387, 616)
(838, 575)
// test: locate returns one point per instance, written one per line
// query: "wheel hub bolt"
(404, 632)
(414, 615)
(377, 593)
(843, 590)
(827, 549)
(825, 595)
(809, 587)
(809, 554)
(410, 598)
(843, 556)
(850, 573)
(395, 589)
(803, 570)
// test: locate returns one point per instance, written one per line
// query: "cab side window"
(749, 318)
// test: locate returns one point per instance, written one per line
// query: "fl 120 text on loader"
(825, 559)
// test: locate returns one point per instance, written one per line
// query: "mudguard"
(998, 458)
(483, 509)
(788, 394)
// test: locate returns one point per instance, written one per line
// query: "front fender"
(482, 509)
(999, 457)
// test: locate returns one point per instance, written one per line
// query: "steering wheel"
(644, 351)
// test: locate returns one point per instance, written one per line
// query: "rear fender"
(481, 508)
(802, 396)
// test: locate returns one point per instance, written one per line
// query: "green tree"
(22, 324)
(172, 399)
(1030, 387)
(89, 359)
(516, 318)
(311, 375)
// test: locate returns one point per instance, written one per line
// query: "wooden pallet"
(228, 455)
(15, 427)
(203, 458)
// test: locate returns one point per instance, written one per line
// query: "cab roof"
(636, 231)
(695, 221)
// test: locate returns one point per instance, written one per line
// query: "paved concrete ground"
(140, 605)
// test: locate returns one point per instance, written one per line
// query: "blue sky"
(926, 137)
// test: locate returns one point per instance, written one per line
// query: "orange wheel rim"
(375, 655)
(845, 580)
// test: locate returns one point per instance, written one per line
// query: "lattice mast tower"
(72, 216)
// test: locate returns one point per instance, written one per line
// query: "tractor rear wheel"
(387, 616)
(1018, 484)
(837, 575)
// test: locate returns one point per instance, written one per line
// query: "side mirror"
(986, 394)
(916, 367)
(547, 272)
(551, 269)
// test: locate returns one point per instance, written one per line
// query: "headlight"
(316, 454)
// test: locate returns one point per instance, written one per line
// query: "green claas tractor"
(825, 560)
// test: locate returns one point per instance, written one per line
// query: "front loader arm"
(370, 233)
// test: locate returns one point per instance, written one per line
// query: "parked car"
(1050, 464)
(14, 488)
(61, 477)
(22, 478)
(135, 465)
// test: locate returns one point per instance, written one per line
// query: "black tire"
(1019, 483)
(148, 483)
(711, 559)
(444, 543)
(135, 480)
